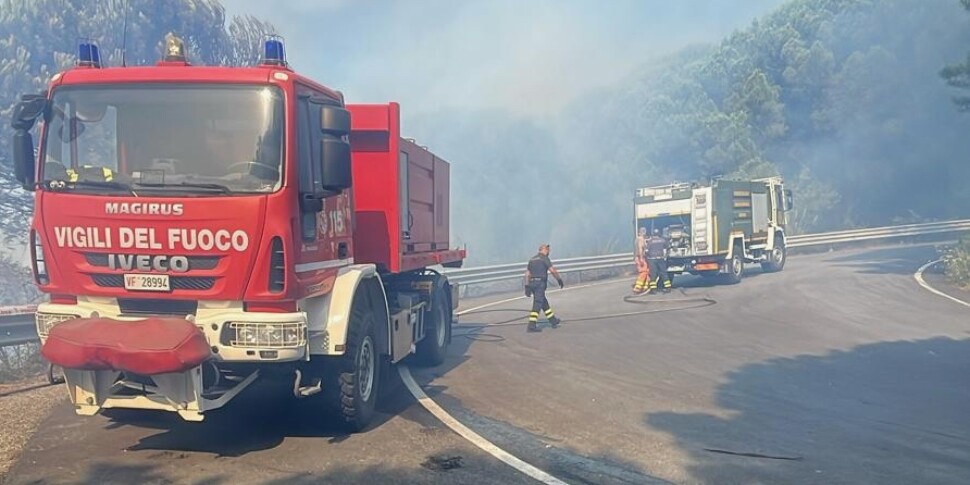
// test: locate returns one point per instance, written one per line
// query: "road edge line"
(470, 435)
(922, 282)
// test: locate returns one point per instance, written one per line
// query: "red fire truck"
(199, 228)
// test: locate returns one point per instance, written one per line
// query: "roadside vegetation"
(956, 261)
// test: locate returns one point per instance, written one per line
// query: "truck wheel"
(432, 349)
(735, 267)
(776, 258)
(353, 384)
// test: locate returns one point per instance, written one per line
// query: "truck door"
(325, 237)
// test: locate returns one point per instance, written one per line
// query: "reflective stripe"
(318, 265)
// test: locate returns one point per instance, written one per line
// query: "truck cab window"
(167, 138)
(86, 138)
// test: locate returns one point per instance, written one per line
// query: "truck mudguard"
(328, 316)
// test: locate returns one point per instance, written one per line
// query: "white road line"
(472, 436)
(467, 433)
(919, 279)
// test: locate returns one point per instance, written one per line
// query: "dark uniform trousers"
(658, 273)
(539, 301)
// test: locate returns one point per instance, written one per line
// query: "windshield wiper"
(182, 185)
(93, 183)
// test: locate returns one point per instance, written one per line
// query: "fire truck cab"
(198, 228)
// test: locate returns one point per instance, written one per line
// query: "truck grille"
(195, 262)
(177, 282)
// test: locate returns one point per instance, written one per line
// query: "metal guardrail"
(489, 274)
(17, 323)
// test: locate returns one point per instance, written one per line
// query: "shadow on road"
(893, 412)
(263, 416)
(445, 467)
(255, 421)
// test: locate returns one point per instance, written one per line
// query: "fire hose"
(659, 304)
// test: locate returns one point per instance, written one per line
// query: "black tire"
(776, 258)
(735, 266)
(55, 375)
(353, 380)
(433, 347)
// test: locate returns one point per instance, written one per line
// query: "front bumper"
(234, 335)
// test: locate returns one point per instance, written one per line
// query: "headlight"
(245, 334)
(47, 321)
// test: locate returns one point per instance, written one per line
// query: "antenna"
(124, 36)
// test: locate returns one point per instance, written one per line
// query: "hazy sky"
(528, 56)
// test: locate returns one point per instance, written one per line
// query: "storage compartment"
(401, 194)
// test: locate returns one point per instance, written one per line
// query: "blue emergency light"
(88, 54)
(273, 53)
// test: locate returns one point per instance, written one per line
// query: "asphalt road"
(840, 369)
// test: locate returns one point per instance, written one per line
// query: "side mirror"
(24, 164)
(25, 114)
(335, 168)
(334, 120)
(789, 200)
(335, 171)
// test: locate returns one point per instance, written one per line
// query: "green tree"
(37, 39)
(958, 75)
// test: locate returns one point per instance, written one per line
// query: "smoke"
(527, 58)
(551, 112)
(486, 84)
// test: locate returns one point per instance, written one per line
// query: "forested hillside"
(842, 97)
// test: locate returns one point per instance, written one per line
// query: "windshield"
(206, 139)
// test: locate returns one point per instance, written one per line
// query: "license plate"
(675, 268)
(147, 282)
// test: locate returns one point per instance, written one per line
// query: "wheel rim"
(778, 255)
(736, 265)
(365, 369)
(441, 330)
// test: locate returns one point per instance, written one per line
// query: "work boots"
(555, 322)
(533, 327)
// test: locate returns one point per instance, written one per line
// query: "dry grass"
(25, 400)
(23, 406)
(956, 260)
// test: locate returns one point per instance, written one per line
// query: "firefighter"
(657, 249)
(536, 280)
(640, 256)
